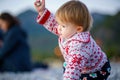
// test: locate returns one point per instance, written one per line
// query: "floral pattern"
(81, 53)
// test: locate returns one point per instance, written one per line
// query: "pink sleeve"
(75, 62)
(48, 21)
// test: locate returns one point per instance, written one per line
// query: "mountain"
(107, 32)
(41, 41)
(98, 18)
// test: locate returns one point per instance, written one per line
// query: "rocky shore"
(52, 73)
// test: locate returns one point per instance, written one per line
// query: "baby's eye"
(63, 26)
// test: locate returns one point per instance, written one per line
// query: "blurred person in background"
(14, 52)
(1, 38)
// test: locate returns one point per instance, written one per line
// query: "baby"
(84, 59)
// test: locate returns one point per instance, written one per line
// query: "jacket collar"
(81, 37)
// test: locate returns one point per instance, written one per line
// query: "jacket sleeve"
(47, 19)
(75, 62)
(9, 44)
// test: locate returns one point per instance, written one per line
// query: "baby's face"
(67, 30)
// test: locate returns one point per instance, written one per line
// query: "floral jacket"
(81, 53)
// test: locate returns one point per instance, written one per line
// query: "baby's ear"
(79, 29)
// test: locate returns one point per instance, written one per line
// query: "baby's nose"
(59, 29)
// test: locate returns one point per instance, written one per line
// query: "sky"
(101, 6)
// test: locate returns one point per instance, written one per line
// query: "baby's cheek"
(67, 33)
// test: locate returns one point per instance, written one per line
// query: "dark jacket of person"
(1, 35)
(14, 54)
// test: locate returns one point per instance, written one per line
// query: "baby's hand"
(40, 6)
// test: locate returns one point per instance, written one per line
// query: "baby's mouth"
(60, 34)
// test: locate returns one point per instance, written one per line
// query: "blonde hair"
(74, 12)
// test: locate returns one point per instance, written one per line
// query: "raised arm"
(46, 18)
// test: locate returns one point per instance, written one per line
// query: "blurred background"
(43, 44)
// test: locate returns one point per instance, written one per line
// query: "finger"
(43, 2)
(35, 3)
